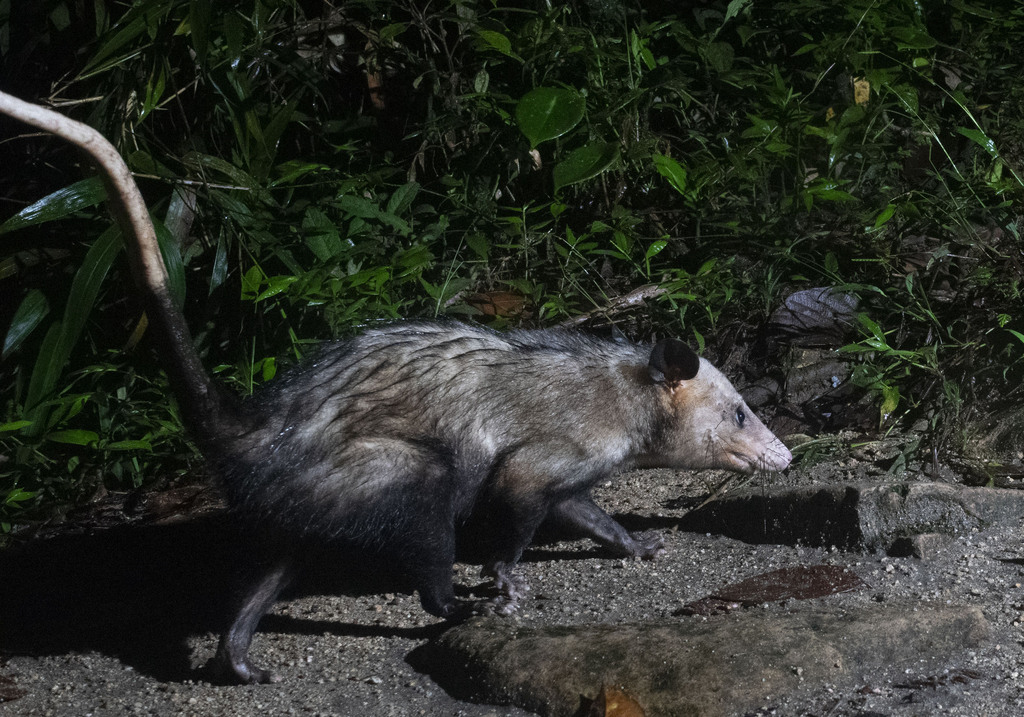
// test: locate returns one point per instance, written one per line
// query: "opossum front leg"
(580, 514)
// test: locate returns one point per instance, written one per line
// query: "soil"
(122, 619)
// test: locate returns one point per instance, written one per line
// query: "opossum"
(388, 442)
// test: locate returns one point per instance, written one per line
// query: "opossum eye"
(740, 417)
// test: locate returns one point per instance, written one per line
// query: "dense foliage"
(316, 166)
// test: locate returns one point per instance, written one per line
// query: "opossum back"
(408, 420)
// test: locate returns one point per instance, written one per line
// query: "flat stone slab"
(869, 516)
(720, 666)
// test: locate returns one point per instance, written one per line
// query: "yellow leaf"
(861, 91)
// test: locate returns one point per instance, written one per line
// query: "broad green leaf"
(981, 139)
(321, 235)
(170, 250)
(45, 372)
(358, 206)
(655, 248)
(549, 112)
(720, 56)
(910, 38)
(137, 445)
(132, 26)
(85, 193)
(30, 313)
(18, 495)
(276, 285)
(885, 215)
(77, 437)
(220, 265)
(586, 162)
(890, 399)
(907, 95)
(269, 368)
(734, 8)
(14, 426)
(403, 197)
(199, 16)
(671, 170)
(498, 41)
(62, 336)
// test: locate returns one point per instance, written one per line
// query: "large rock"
(721, 666)
(868, 516)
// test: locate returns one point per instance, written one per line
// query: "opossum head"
(710, 425)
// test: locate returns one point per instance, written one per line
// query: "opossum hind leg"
(232, 662)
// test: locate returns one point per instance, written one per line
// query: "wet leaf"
(981, 139)
(800, 582)
(30, 313)
(70, 199)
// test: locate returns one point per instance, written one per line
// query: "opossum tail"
(205, 409)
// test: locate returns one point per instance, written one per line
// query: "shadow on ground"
(138, 592)
(135, 592)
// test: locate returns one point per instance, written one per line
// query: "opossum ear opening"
(673, 361)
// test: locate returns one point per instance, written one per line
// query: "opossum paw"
(647, 545)
(510, 586)
(500, 605)
(241, 672)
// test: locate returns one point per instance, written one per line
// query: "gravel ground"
(345, 655)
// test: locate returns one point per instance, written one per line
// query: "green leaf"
(321, 235)
(358, 206)
(671, 170)
(403, 198)
(734, 8)
(276, 285)
(171, 253)
(885, 215)
(497, 41)
(910, 38)
(30, 313)
(655, 248)
(981, 139)
(14, 426)
(73, 198)
(62, 336)
(220, 265)
(76, 437)
(549, 112)
(199, 16)
(720, 56)
(137, 445)
(586, 162)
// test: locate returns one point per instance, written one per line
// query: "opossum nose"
(777, 457)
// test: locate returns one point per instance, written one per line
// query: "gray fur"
(390, 441)
(385, 444)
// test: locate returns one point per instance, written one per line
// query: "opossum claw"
(508, 584)
(647, 545)
(241, 672)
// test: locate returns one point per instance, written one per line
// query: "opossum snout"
(776, 457)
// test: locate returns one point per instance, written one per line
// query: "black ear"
(673, 361)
